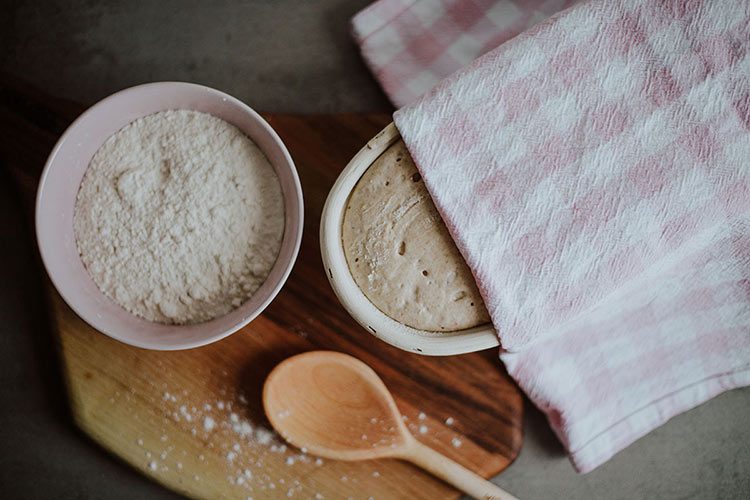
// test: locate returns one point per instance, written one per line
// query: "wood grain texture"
(117, 392)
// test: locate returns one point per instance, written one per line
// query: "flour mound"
(179, 217)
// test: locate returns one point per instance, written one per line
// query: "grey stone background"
(277, 55)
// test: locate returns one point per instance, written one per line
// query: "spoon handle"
(451, 472)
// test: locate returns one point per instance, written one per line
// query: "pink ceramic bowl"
(59, 186)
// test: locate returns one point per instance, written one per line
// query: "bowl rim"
(353, 299)
(64, 290)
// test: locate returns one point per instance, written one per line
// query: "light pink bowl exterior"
(58, 189)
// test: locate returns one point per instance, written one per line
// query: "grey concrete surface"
(277, 55)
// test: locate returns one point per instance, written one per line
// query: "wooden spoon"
(337, 407)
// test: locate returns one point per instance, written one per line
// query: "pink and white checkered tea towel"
(410, 45)
(595, 174)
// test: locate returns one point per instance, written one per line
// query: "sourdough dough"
(400, 253)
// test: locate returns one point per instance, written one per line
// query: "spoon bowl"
(335, 406)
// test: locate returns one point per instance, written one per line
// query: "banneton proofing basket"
(58, 189)
(351, 296)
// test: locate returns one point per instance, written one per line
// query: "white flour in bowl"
(179, 217)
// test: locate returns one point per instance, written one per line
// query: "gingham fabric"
(410, 45)
(594, 171)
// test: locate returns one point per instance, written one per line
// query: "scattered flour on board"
(243, 448)
(179, 217)
(228, 433)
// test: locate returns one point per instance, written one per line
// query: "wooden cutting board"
(193, 420)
